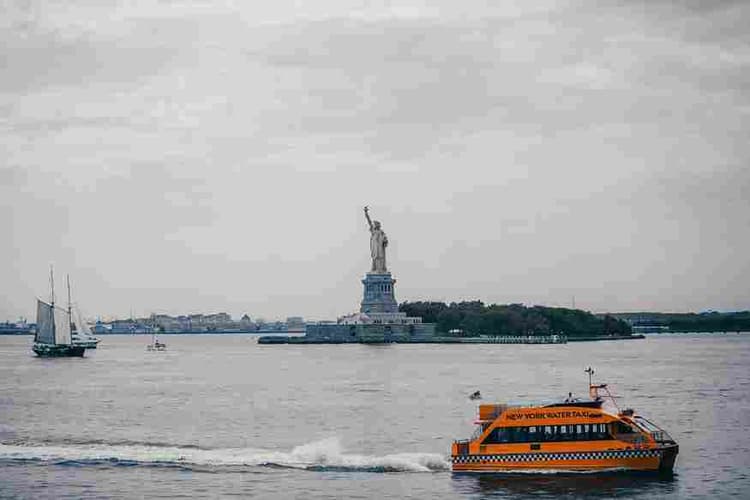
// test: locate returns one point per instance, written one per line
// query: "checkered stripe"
(542, 457)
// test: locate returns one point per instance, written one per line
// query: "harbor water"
(218, 416)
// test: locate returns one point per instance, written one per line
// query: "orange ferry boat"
(573, 435)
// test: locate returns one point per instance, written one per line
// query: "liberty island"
(379, 320)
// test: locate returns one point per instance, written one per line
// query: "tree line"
(710, 321)
(472, 318)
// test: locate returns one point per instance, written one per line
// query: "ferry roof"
(589, 403)
(580, 404)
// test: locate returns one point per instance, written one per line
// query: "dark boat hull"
(668, 457)
(58, 351)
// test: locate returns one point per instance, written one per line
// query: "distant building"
(130, 326)
(101, 328)
(295, 323)
(198, 323)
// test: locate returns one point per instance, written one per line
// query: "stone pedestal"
(379, 294)
(378, 322)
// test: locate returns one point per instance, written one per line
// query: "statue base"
(378, 321)
(379, 295)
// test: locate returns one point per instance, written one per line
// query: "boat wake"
(324, 455)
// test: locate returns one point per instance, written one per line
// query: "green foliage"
(710, 321)
(475, 318)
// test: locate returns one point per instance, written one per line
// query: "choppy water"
(221, 416)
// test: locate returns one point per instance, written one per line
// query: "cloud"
(223, 151)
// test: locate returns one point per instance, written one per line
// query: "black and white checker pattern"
(543, 457)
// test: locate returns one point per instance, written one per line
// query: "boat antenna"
(52, 287)
(590, 371)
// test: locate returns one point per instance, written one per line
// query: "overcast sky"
(215, 156)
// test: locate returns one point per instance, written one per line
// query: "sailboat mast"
(52, 286)
(70, 305)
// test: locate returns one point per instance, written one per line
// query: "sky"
(175, 156)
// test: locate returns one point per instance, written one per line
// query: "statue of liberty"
(378, 242)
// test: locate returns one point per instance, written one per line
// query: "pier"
(547, 339)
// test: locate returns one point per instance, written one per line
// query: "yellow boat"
(572, 435)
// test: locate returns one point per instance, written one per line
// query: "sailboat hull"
(58, 350)
(86, 344)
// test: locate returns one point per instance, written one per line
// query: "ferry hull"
(654, 460)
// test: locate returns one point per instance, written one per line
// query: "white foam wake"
(318, 455)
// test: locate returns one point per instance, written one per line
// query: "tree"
(474, 318)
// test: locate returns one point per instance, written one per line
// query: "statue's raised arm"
(367, 216)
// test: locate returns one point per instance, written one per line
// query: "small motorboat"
(155, 345)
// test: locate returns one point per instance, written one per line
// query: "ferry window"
(534, 435)
(596, 432)
(622, 428)
(503, 436)
(506, 435)
(549, 433)
(522, 434)
(491, 437)
(516, 435)
(645, 424)
(567, 433)
(498, 435)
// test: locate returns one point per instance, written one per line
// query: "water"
(222, 415)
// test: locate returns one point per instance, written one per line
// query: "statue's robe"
(378, 242)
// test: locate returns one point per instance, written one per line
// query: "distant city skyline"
(177, 156)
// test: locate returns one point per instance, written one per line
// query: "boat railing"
(638, 438)
(519, 339)
(657, 433)
(661, 437)
(478, 431)
(632, 438)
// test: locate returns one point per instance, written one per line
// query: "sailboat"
(53, 336)
(82, 335)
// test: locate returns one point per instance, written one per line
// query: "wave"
(104, 442)
(324, 455)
